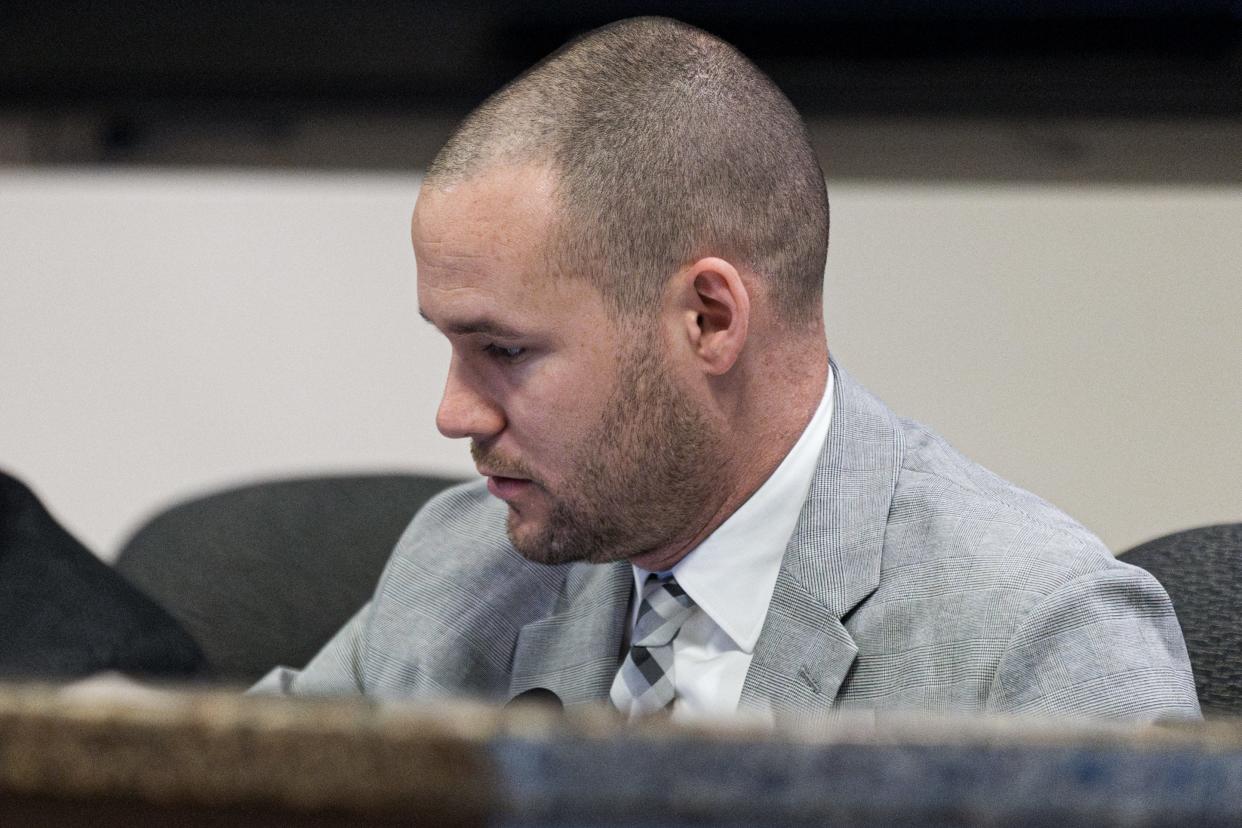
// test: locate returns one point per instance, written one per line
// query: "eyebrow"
(476, 325)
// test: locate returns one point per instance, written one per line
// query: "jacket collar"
(832, 561)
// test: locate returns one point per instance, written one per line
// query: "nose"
(464, 410)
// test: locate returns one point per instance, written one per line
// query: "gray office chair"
(264, 574)
(1202, 571)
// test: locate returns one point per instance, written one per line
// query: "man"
(687, 504)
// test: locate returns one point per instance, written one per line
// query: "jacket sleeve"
(336, 670)
(1106, 643)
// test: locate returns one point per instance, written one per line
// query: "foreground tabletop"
(213, 758)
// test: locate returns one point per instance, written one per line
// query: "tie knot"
(665, 607)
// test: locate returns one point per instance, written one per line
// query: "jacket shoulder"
(452, 599)
(959, 509)
(992, 598)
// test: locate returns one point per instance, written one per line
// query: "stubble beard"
(643, 479)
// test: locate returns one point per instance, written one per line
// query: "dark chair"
(1202, 571)
(264, 574)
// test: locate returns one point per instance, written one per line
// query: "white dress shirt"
(731, 576)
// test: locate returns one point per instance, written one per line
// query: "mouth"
(507, 488)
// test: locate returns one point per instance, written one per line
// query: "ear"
(713, 307)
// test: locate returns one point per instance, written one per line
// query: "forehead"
(522, 194)
(481, 247)
(508, 209)
(491, 224)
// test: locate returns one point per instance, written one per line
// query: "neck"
(756, 439)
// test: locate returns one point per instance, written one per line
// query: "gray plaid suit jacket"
(915, 579)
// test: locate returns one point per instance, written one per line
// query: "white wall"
(165, 333)
(1084, 343)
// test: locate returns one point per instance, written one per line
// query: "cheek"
(555, 411)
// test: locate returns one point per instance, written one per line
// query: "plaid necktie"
(644, 684)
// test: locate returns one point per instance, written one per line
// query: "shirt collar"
(731, 575)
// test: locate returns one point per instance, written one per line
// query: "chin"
(530, 539)
(537, 544)
(557, 538)
(542, 553)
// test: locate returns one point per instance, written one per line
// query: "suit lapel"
(802, 656)
(832, 561)
(575, 652)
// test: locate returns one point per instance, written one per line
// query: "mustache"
(498, 464)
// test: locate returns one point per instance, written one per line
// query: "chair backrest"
(1202, 571)
(264, 574)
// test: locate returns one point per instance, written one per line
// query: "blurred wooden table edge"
(218, 753)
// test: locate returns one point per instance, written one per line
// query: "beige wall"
(162, 334)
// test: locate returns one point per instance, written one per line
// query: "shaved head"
(666, 145)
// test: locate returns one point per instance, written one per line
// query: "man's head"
(670, 145)
(617, 244)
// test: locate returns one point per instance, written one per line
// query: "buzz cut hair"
(667, 145)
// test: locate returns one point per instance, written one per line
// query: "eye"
(503, 353)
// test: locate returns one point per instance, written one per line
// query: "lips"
(507, 488)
